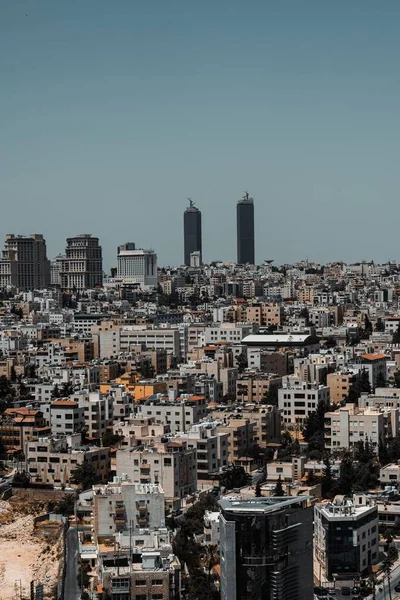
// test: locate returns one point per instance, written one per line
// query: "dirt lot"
(26, 553)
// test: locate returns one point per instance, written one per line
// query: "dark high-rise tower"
(191, 231)
(266, 549)
(245, 230)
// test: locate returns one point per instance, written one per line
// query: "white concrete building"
(212, 448)
(65, 416)
(98, 412)
(297, 399)
(126, 506)
(171, 464)
(345, 537)
(180, 414)
(349, 424)
(137, 266)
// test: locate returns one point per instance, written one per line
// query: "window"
(157, 582)
(140, 582)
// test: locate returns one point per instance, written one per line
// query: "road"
(72, 591)
(394, 579)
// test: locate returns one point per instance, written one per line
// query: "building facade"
(82, 267)
(266, 549)
(24, 263)
(192, 232)
(137, 266)
(245, 231)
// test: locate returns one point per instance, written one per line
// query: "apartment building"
(179, 414)
(339, 385)
(350, 424)
(242, 438)
(265, 315)
(345, 537)
(390, 475)
(297, 399)
(98, 412)
(254, 387)
(138, 430)
(65, 416)
(267, 362)
(212, 448)
(171, 464)
(20, 425)
(154, 577)
(126, 506)
(52, 460)
(229, 333)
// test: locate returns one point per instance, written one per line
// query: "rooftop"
(260, 505)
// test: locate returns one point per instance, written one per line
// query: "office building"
(24, 263)
(245, 231)
(82, 267)
(266, 549)
(346, 537)
(192, 232)
(137, 266)
(55, 269)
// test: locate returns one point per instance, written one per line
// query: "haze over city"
(111, 115)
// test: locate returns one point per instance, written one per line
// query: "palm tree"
(211, 558)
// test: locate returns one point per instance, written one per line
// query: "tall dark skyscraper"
(245, 230)
(191, 231)
(266, 549)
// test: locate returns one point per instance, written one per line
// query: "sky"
(113, 113)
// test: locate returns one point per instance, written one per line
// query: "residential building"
(266, 548)
(346, 537)
(339, 385)
(171, 464)
(53, 460)
(20, 425)
(350, 424)
(245, 231)
(66, 416)
(242, 438)
(126, 506)
(98, 412)
(82, 267)
(390, 475)
(297, 399)
(179, 414)
(211, 446)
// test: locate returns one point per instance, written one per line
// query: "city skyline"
(152, 104)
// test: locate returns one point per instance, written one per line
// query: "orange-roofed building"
(375, 365)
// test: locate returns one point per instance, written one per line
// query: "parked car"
(346, 591)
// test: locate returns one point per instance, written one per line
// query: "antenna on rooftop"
(246, 195)
(191, 203)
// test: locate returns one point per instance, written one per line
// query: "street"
(395, 578)
(72, 591)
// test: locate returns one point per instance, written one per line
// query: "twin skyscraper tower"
(245, 233)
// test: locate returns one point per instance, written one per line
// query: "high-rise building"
(192, 231)
(55, 269)
(137, 266)
(266, 549)
(82, 267)
(245, 230)
(24, 262)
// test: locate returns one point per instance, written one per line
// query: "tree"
(66, 505)
(84, 476)
(110, 439)
(13, 374)
(235, 477)
(6, 388)
(396, 379)
(313, 430)
(367, 331)
(396, 335)
(211, 558)
(242, 362)
(272, 395)
(327, 479)
(56, 391)
(379, 325)
(258, 492)
(278, 490)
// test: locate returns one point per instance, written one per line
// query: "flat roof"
(260, 505)
(283, 338)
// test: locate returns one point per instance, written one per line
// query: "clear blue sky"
(113, 112)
